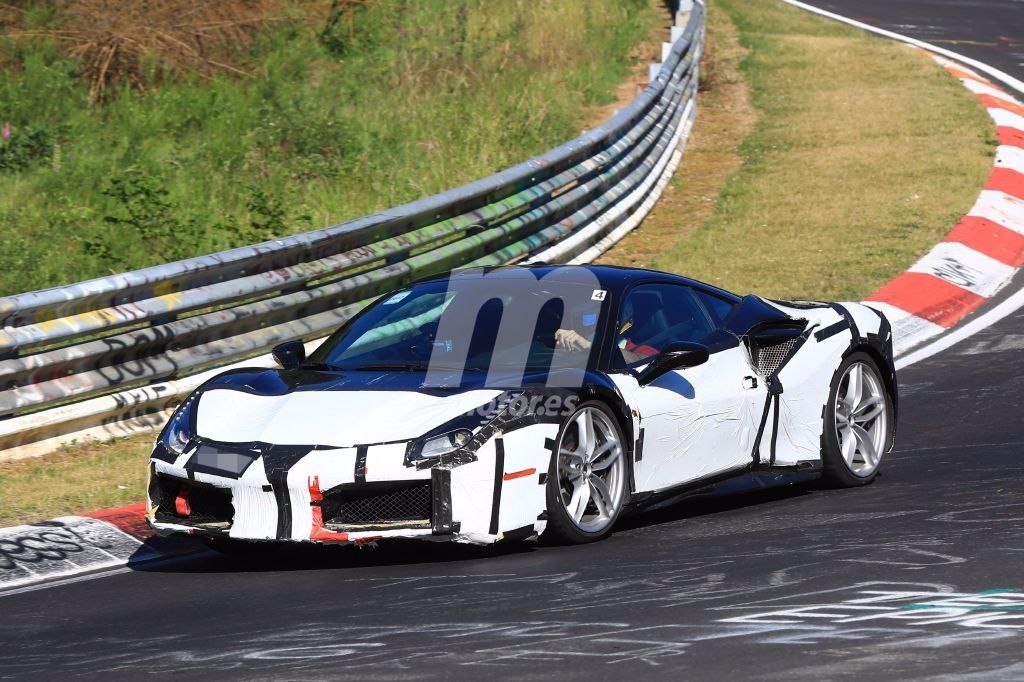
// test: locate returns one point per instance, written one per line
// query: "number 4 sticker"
(598, 295)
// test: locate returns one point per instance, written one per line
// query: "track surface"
(657, 598)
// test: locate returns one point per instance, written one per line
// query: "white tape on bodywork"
(338, 418)
(472, 492)
(523, 499)
(807, 380)
(697, 421)
(867, 320)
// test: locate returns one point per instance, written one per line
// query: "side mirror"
(290, 354)
(674, 356)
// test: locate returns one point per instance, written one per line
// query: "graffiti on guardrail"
(71, 348)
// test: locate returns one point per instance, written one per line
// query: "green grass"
(78, 479)
(864, 154)
(413, 98)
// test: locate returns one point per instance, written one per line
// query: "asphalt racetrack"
(918, 576)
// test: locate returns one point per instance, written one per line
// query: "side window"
(655, 315)
(718, 307)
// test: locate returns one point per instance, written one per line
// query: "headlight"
(445, 443)
(179, 429)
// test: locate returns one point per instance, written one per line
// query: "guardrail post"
(683, 12)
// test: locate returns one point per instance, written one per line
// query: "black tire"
(835, 469)
(560, 527)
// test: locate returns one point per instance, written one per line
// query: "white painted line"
(964, 267)
(1004, 309)
(1000, 208)
(70, 580)
(908, 330)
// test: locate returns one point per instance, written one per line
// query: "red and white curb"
(982, 252)
(74, 545)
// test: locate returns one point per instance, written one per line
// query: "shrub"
(24, 145)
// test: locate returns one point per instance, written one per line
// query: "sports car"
(521, 401)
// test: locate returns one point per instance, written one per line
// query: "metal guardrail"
(116, 352)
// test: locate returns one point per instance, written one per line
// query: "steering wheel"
(424, 344)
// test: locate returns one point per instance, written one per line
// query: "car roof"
(612, 277)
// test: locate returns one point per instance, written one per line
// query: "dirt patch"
(724, 117)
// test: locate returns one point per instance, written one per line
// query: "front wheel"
(587, 479)
(858, 423)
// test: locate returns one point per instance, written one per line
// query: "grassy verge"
(81, 479)
(725, 116)
(864, 154)
(335, 116)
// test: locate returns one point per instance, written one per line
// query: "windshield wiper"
(321, 366)
(398, 367)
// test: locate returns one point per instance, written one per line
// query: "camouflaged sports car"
(518, 401)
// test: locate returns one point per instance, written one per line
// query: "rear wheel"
(586, 486)
(858, 423)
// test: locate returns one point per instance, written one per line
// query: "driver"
(631, 351)
(572, 340)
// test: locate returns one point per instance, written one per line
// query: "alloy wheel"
(861, 411)
(591, 470)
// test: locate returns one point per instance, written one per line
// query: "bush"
(20, 147)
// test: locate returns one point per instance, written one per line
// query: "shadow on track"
(187, 555)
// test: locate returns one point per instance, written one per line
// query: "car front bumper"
(356, 495)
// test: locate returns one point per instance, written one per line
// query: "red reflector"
(519, 474)
(181, 505)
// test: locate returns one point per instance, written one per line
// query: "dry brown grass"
(142, 41)
(863, 154)
(724, 117)
(78, 479)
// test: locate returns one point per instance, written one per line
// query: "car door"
(695, 422)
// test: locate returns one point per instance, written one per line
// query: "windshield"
(508, 325)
